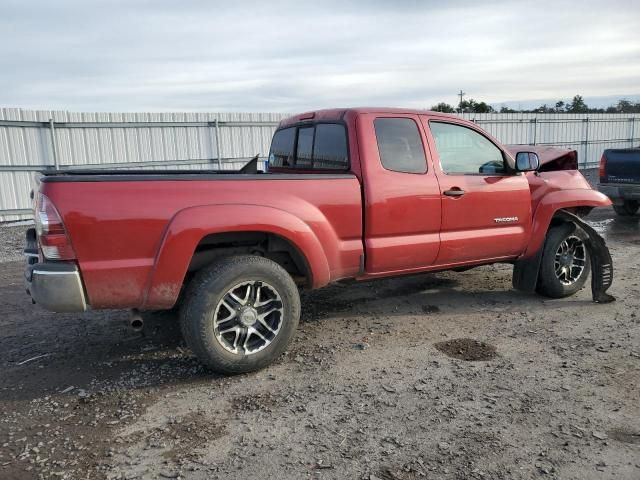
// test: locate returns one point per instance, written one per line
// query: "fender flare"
(189, 226)
(550, 204)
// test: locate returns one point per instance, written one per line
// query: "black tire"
(628, 208)
(548, 282)
(205, 293)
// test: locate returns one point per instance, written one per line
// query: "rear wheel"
(240, 314)
(628, 208)
(565, 263)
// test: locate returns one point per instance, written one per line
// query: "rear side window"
(282, 154)
(399, 145)
(318, 147)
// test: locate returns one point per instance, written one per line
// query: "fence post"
(586, 140)
(54, 146)
(218, 149)
(534, 121)
(212, 140)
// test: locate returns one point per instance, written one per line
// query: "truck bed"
(122, 222)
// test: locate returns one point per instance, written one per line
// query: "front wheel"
(240, 313)
(628, 208)
(565, 263)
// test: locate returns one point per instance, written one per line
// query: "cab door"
(486, 206)
(401, 194)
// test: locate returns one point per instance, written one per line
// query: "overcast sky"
(157, 55)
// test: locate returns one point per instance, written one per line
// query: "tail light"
(52, 236)
(602, 170)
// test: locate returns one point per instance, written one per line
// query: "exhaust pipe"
(136, 321)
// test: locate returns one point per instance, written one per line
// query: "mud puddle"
(467, 349)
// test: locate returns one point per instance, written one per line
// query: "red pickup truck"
(350, 194)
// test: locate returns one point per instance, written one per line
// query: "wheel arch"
(230, 227)
(547, 213)
(266, 244)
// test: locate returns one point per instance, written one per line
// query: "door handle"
(454, 192)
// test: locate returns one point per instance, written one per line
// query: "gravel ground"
(11, 242)
(448, 375)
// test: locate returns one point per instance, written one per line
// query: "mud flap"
(525, 272)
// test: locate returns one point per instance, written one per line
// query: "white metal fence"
(31, 141)
(588, 133)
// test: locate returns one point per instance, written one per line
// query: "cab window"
(305, 147)
(330, 147)
(311, 147)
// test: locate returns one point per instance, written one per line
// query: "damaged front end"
(601, 262)
(526, 271)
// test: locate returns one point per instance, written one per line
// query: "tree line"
(577, 105)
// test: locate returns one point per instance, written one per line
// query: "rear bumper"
(620, 192)
(56, 286)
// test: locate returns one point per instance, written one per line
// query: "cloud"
(293, 56)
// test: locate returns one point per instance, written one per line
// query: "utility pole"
(461, 94)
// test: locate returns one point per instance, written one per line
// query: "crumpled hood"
(551, 158)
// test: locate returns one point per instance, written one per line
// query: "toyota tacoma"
(349, 194)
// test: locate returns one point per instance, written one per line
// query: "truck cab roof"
(338, 114)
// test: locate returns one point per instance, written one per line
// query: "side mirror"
(527, 161)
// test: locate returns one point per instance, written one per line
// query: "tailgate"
(622, 166)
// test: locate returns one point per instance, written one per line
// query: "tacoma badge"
(505, 219)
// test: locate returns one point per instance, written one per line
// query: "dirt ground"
(448, 375)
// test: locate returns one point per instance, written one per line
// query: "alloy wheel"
(248, 317)
(570, 260)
